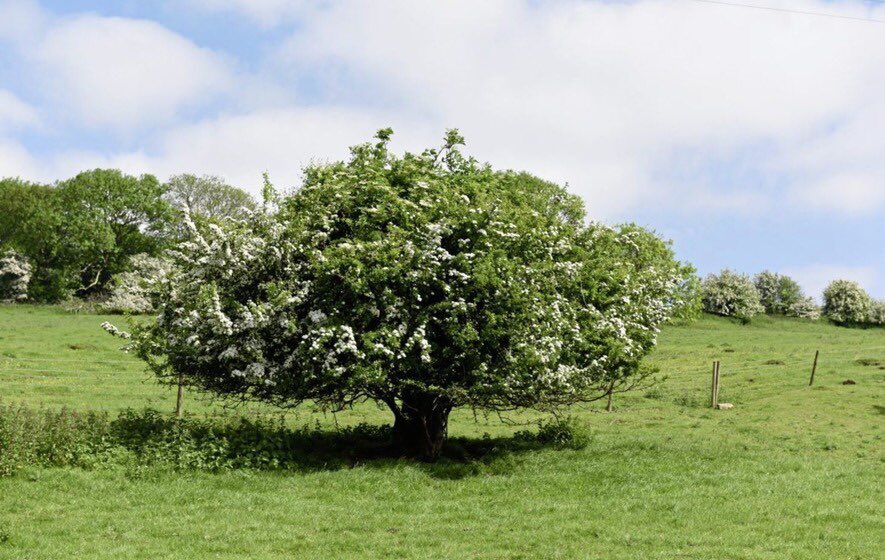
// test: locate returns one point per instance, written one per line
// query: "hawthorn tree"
(847, 303)
(731, 294)
(777, 292)
(423, 282)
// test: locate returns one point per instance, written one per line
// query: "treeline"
(74, 237)
(102, 234)
(732, 294)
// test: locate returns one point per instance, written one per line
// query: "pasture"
(791, 472)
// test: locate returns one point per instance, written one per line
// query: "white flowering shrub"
(730, 294)
(805, 308)
(113, 330)
(877, 313)
(423, 282)
(845, 302)
(131, 291)
(15, 274)
(777, 292)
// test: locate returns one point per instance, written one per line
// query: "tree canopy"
(82, 231)
(111, 216)
(423, 282)
(207, 197)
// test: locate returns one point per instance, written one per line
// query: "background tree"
(845, 302)
(208, 197)
(423, 282)
(31, 219)
(108, 217)
(731, 294)
(777, 292)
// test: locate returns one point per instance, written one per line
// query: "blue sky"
(752, 138)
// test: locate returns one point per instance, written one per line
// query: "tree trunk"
(179, 401)
(611, 389)
(421, 425)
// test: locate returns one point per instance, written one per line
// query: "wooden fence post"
(813, 368)
(714, 389)
(718, 366)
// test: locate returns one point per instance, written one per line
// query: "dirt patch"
(868, 362)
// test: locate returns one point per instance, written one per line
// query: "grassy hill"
(791, 472)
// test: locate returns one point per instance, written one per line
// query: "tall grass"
(64, 438)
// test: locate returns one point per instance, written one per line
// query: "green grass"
(791, 472)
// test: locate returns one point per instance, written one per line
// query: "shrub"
(777, 292)
(805, 308)
(845, 302)
(564, 433)
(15, 274)
(730, 294)
(877, 313)
(131, 291)
(50, 438)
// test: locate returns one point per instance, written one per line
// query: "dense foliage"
(877, 313)
(130, 292)
(805, 308)
(777, 292)
(79, 234)
(845, 302)
(207, 197)
(689, 296)
(15, 273)
(112, 216)
(731, 294)
(423, 282)
(31, 221)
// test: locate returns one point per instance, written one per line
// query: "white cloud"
(241, 147)
(265, 12)
(122, 73)
(20, 19)
(15, 161)
(814, 278)
(15, 113)
(600, 93)
(855, 194)
(597, 94)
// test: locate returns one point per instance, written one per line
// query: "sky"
(754, 138)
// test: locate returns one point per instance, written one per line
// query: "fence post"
(813, 368)
(718, 366)
(714, 390)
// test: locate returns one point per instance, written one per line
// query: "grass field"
(791, 472)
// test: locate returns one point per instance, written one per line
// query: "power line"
(789, 11)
